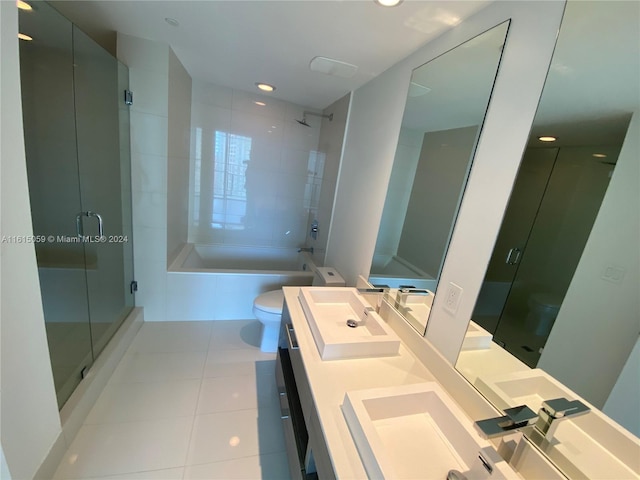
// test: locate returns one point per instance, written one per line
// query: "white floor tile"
(118, 448)
(165, 474)
(229, 435)
(156, 337)
(240, 361)
(188, 400)
(266, 467)
(223, 394)
(235, 334)
(158, 367)
(128, 402)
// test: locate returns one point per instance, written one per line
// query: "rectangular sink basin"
(417, 431)
(328, 309)
(476, 338)
(587, 446)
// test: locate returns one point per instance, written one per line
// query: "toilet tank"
(327, 277)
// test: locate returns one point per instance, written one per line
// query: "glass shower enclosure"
(78, 164)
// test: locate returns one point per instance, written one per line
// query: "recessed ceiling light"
(265, 87)
(172, 21)
(600, 155)
(22, 36)
(23, 5)
(261, 104)
(547, 138)
(388, 3)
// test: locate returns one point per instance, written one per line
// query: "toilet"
(543, 310)
(267, 307)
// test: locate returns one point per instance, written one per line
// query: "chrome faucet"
(403, 293)
(545, 421)
(369, 291)
(552, 411)
(306, 249)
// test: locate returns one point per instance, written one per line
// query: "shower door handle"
(513, 252)
(80, 228)
(100, 222)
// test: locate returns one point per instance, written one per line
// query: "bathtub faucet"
(306, 249)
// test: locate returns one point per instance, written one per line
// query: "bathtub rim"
(185, 251)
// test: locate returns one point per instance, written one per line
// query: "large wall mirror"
(444, 112)
(558, 308)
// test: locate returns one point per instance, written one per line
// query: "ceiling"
(238, 43)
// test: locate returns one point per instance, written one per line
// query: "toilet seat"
(270, 302)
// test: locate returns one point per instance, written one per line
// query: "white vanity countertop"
(487, 362)
(329, 380)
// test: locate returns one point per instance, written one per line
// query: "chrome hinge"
(128, 97)
(133, 287)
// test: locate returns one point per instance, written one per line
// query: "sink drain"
(352, 323)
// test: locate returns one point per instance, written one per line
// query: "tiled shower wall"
(255, 172)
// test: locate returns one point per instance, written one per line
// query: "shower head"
(304, 117)
(303, 121)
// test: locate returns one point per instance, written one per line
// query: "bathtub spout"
(306, 249)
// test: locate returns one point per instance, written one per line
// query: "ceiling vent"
(329, 66)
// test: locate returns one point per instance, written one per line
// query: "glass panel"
(97, 123)
(46, 65)
(125, 186)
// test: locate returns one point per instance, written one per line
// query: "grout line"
(193, 422)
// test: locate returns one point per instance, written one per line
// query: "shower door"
(78, 183)
(550, 215)
(104, 186)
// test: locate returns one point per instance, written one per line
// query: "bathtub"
(220, 282)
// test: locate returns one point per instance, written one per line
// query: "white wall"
(622, 404)
(178, 139)
(599, 317)
(158, 147)
(29, 411)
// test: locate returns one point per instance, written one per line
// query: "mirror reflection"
(560, 291)
(445, 108)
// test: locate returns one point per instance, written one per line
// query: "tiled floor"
(189, 400)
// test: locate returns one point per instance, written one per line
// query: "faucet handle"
(520, 416)
(515, 418)
(561, 407)
(555, 409)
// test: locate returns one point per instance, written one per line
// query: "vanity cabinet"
(307, 451)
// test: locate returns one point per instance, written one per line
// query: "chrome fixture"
(306, 249)
(456, 475)
(552, 411)
(514, 252)
(304, 117)
(80, 229)
(314, 230)
(404, 293)
(371, 290)
(379, 298)
(515, 418)
(545, 421)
